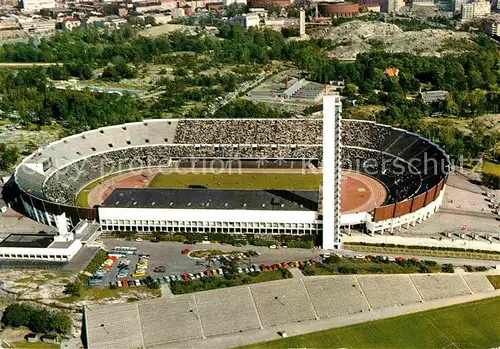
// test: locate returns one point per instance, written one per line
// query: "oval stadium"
(141, 177)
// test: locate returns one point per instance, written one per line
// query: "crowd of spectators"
(397, 158)
(257, 131)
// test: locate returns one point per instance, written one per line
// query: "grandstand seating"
(384, 291)
(169, 320)
(336, 295)
(405, 163)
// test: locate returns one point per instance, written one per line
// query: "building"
(36, 5)
(434, 96)
(247, 20)
(338, 9)
(60, 247)
(70, 23)
(391, 6)
(475, 9)
(211, 210)
(146, 7)
(391, 71)
(492, 27)
(230, 2)
(48, 181)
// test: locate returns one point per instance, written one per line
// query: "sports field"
(469, 325)
(294, 181)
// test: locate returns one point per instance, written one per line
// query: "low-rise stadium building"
(412, 169)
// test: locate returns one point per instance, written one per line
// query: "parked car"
(185, 251)
(240, 270)
(191, 276)
(272, 246)
(160, 269)
(207, 273)
(137, 282)
(155, 240)
(220, 271)
(138, 239)
(131, 283)
(185, 276)
(124, 283)
(119, 283)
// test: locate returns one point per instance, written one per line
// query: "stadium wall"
(374, 225)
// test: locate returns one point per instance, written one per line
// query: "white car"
(191, 276)
(119, 283)
(137, 283)
(272, 246)
(240, 271)
(220, 271)
(138, 239)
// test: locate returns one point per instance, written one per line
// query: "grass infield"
(469, 325)
(291, 181)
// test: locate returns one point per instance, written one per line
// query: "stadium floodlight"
(332, 117)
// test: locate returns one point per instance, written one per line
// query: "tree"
(8, 156)
(74, 289)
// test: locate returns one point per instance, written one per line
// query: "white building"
(230, 2)
(391, 6)
(210, 211)
(36, 5)
(475, 9)
(247, 20)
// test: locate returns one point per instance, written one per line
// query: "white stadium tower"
(332, 116)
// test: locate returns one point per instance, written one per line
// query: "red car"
(185, 251)
(400, 259)
(185, 276)
(208, 272)
(275, 266)
(415, 259)
(284, 265)
(312, 261)
(124, 283)
(262, 267)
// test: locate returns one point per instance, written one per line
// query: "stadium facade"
(413, 170)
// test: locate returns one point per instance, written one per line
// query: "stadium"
(391, 178)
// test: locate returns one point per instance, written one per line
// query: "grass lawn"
(495, 280)
(362, 266)
(491, 167)
(295, 181)
(25, 344)
(212, 283)
(204, 253)
(468, 325)
(98, 293)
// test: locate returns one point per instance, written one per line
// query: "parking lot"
(168, 254)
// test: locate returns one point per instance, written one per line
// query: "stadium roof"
(28, 240)
(214, 199)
